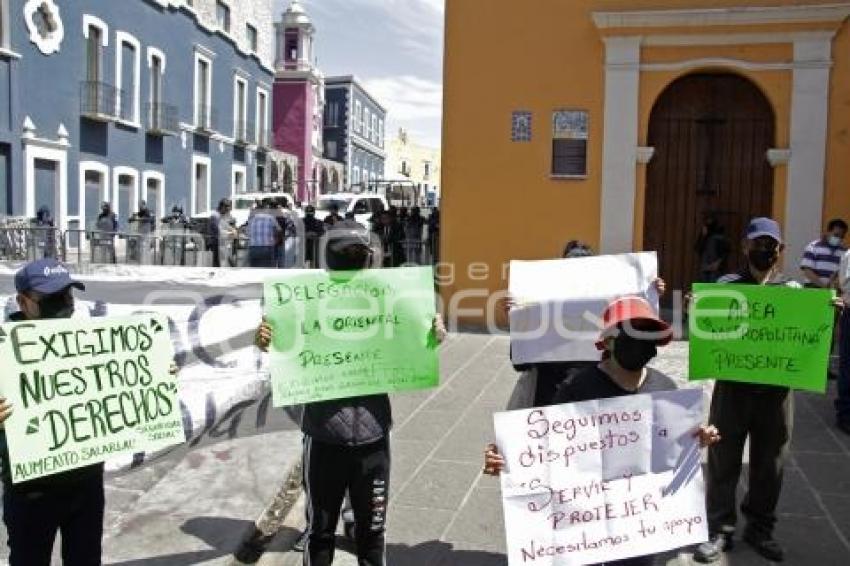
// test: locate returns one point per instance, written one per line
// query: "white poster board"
(559, 303)
(602, 480)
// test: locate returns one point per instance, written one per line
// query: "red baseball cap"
(638, 311)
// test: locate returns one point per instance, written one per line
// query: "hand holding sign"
(554, 305)
(87, 391)
(336, 335)
(761, 334)
(5, 410)
(602, 480)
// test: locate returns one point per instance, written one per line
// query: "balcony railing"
(98, 100)
(162, 119)
(127, 107)
(205, 118)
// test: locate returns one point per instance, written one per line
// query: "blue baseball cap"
(46, 277)
(764, 227)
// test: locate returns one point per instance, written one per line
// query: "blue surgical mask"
(834, 241)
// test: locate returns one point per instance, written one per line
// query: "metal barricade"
(168, 247)
(184, 247)
(141, 249)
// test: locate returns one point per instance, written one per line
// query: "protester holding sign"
(346, 443)
(70, 502)
(762, 412)
(547, 374)
(630, 338)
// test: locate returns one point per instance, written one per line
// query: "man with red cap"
(630, 338)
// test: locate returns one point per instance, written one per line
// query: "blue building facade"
(354, 127)
(122, 101)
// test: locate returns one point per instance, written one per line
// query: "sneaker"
(301, 542)
(844, 426)
(710, 551)
(765, 546)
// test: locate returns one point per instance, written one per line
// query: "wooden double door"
(711, 133)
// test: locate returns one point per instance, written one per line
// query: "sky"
(395, 48)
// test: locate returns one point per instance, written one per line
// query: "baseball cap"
(759, 227)
(45, 276)
(638, 311)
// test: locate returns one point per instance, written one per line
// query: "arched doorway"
(325, 181)
(335, 181)
(288, 186)
(275, 174)
(711, 133)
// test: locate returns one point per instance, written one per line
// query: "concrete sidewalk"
(195, 509)
(443, 512)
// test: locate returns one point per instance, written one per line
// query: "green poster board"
(347, 334)
(762, 334)
(86, 390)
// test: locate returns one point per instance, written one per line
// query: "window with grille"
(251, 33)
(222, 14)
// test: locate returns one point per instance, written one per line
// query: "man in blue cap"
(71, 502)
(762, 412)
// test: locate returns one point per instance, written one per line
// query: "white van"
(244, 202)
(363, 205)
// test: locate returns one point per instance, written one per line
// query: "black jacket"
(348, 422)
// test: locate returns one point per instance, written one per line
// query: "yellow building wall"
(498, 200)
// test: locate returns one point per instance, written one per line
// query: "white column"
(809, 109)
(619, 171)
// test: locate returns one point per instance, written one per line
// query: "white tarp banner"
(223, 382)
(559, 303)
(602, 480)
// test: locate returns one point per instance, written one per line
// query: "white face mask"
(834, 241)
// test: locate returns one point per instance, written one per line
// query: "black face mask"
(631, 353)
(762, 260)
(60, 305)
(352, 258)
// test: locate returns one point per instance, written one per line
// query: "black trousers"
(766, 415)
(33, 518)
(328, 471)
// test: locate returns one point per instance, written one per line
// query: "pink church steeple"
(299, 92)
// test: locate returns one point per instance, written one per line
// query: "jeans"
(33, 518)
(842, 403)
(766, 415)
(262, 256)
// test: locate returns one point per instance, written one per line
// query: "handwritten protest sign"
(602, 480)
(87, 390)
(559, 303)
(761, 334)
(346, 334)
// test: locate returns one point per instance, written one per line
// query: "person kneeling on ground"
(346, 445)
(630, 339)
